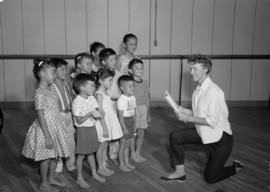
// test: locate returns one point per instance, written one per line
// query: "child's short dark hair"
(133, 62)
(94, 46)
(124, 78)
(80, 56)
(202, 59)
(81, 80)
(106, 53)
(39, 65)
(129, 36)
(102, 74)
(58, 62)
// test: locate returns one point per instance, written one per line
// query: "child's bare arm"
(104, 128)
(122, 122)
(44, 128)
(103, 123)
(135, 122)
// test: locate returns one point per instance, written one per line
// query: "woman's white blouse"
(208, 102)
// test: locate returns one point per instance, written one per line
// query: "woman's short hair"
(202, 59)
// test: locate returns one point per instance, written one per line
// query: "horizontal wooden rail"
(178, 57)
(70, 56)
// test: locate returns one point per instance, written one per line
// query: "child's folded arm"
(81, 119)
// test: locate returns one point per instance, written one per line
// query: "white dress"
(111, 119)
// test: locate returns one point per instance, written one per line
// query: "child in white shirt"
(126, 106)
(85, 112)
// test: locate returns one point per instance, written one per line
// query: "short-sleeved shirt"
(127, 105)
(82, 106)
(141, 92)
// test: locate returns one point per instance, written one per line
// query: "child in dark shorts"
(126, 106)
(85, 112)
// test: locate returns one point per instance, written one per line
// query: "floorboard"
(251, 128)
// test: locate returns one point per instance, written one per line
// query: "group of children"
(98, 112)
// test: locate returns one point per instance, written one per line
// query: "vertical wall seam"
(23, 47)
(213, 31)
(213, 27)
(192, 21)
(3, 62)
(65, 22)
(129, 15)
(253, 43)
(86, 24)
(191, 42)
(233, 33)
(170, 61)
(108, 25)
(43, 12)
(150, 26)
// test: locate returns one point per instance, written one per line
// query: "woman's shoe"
(178, 179)
(238, 165)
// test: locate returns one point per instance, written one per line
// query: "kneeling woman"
(212, 129)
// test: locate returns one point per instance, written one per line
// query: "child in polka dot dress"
(46, 139)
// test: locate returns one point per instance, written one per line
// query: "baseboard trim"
(17, 105)
(157, 103)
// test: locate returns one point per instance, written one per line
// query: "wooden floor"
(251, 127)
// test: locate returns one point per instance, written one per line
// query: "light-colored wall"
(183, 27)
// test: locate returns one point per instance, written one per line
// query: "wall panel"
(183, 27)
(33, 39)
(242, 44)
(75, 20)
(260, 84)
(202, 31)
(223, 43)
(160, 69)
(118, 23)
(139, 24)
(12, 43)
(181, 44)
(97, 21)
(54, 24)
